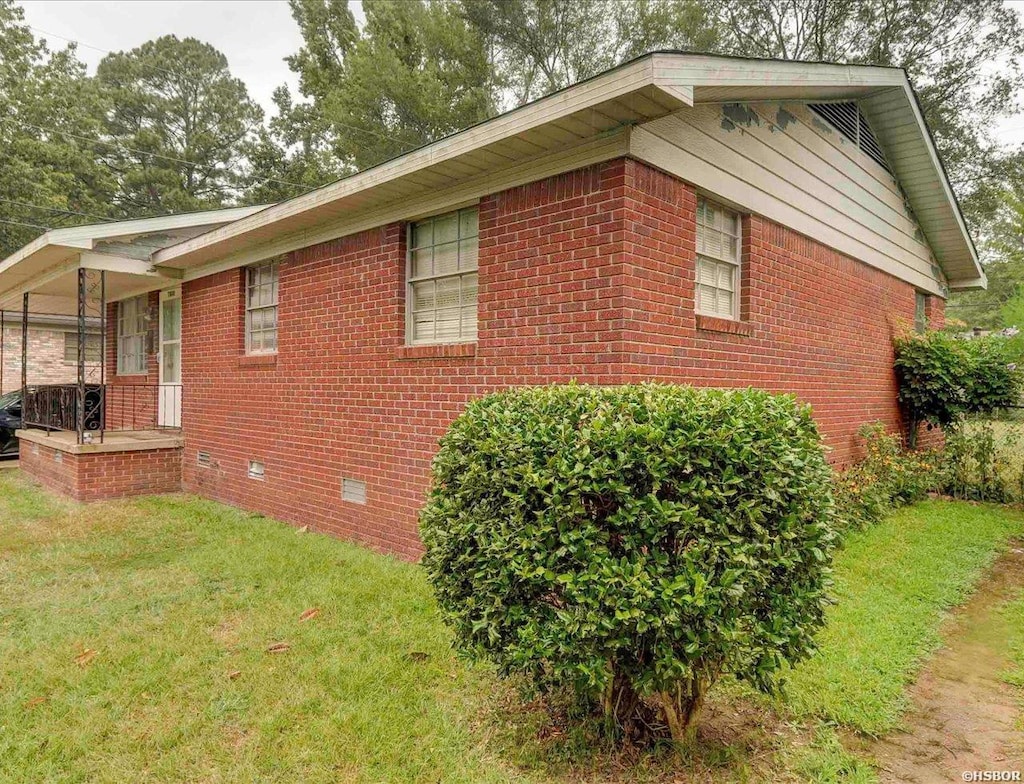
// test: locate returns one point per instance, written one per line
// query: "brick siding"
(587, 275)
(103, 475)
(46, 363)
(813, 322)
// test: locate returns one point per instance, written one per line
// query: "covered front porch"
(116, 430)
(115, 391)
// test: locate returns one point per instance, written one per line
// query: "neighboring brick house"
(52, 349)
(701, 220)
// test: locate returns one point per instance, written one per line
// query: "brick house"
(696, 219)
(52, 349)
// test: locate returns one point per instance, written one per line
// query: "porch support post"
(24, 352)
(80, 418)
(103, 353)
(3, 335)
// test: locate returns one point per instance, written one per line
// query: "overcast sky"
(255, 35)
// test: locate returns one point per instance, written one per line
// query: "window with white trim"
(441, 299)
(718, 260)
(261, 308)
(131, 335)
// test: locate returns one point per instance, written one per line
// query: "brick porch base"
(125, 465)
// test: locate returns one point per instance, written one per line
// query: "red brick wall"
(345, 397)
(98, 476)
(813, 321)
(588, 275)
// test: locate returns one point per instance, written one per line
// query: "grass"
(179, 600)
(893, 583)
(135, 645)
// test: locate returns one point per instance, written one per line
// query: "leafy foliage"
(943, 377)
(541, 46)
(416, 72)
(887, 478)
(179, 125)
(51, 174)
(982, 461)
(632, 543)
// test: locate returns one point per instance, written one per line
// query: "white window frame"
(132, 329)
(467, 333)
(735, 260)
(251, 345)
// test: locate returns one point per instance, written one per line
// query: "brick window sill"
(727, 326)
(438, 351)
(257, 361)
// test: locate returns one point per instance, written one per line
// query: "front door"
(169, 412)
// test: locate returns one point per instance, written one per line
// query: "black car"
(10, 421)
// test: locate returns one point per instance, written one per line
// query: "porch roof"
(47, 268)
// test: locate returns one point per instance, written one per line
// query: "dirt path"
(963, 715)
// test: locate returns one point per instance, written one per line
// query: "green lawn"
(136, 644)
(892, 584)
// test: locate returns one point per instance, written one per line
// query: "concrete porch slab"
(113, 441)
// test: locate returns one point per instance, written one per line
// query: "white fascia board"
(109, 262)
(604, 87)
(973, 283)
(78, 238)
(947, 189)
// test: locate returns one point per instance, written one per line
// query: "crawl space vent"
(203, 459)
(353, 490)
(256, 470)
(847, 118)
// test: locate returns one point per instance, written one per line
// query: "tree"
(179, 127)
(416, 72)
(540, 46)
(50, 120)
(292, 155)
(1002, 303)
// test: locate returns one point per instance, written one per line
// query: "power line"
(94, 48)
(56, 209)
(30, 225)
(122, 147)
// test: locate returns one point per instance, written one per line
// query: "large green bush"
(943, 378)
(634, 542)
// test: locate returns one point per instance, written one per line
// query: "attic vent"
(849, 120)
(203, 459)
(353, 490)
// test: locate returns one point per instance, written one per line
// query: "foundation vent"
(256, 470)
(58, 457)
(203, 459)
(353, 490)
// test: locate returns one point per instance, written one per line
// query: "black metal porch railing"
(108, 407)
